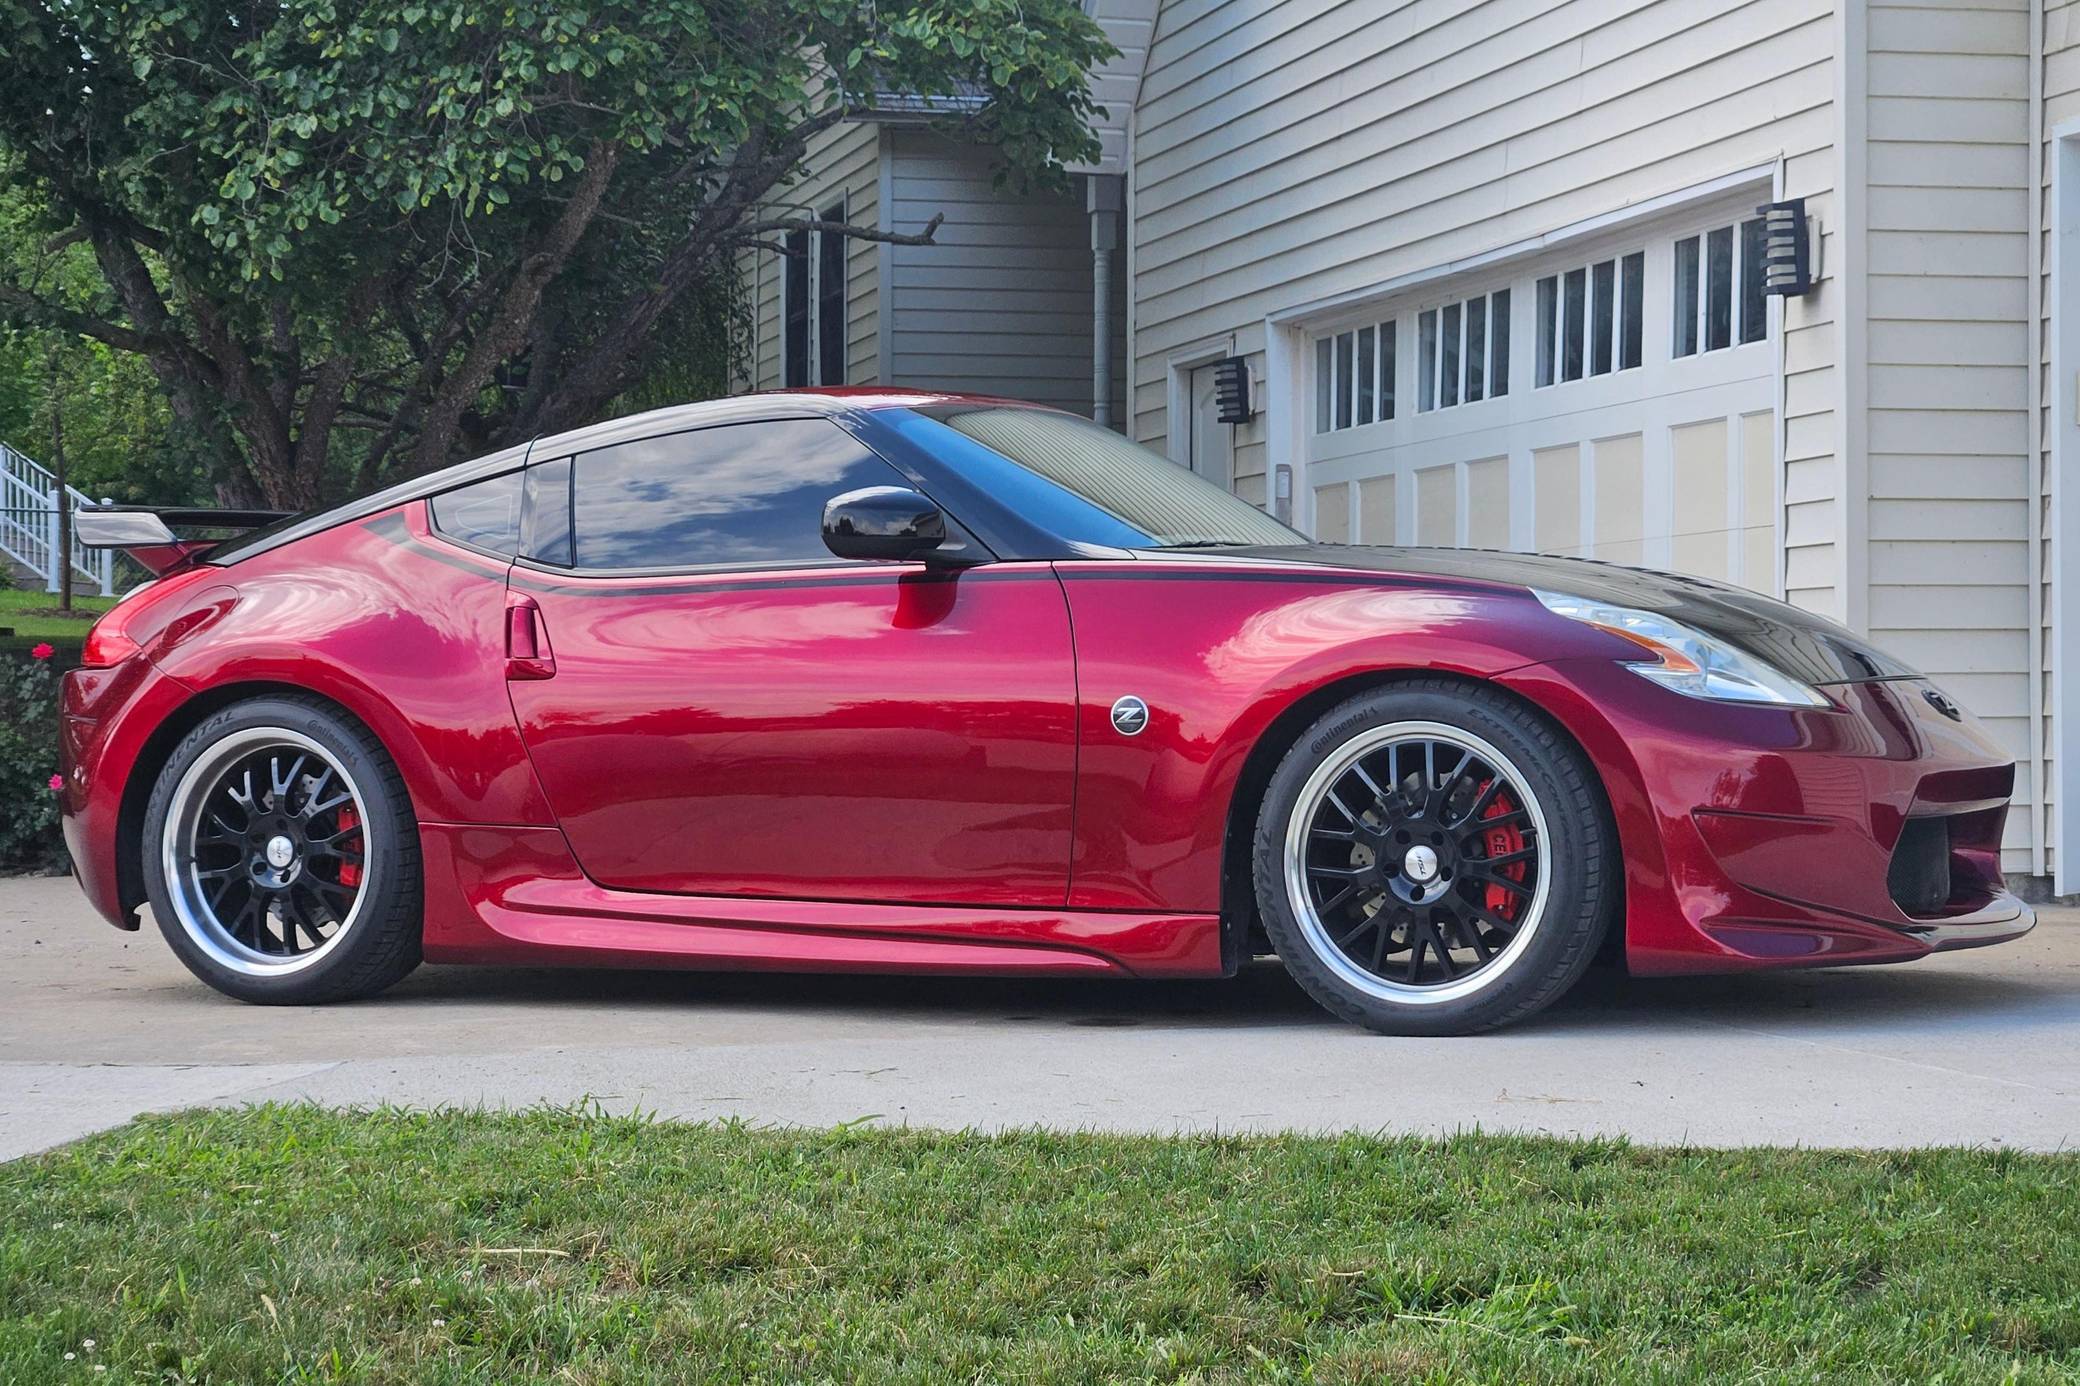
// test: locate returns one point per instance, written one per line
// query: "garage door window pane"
(1448, 356)
(1343, 374)
(1426, 362)
(1548, 329)
(1754, 304)
(1476, 348)
(1386, 370)
(741, 495)
(1367, 382)
(1718, 269)
(1574, 293)
(1324, 385)
(1498, 338)
(1632, 286)
(1686, 297)
(1603, 317)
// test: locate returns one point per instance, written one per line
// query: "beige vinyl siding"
(1946, 263)
(1000, 303)
(1293, 152)
(842, 162)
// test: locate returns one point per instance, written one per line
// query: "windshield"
(1133, 498)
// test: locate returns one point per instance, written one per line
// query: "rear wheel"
(1432, 858)
(281, 857)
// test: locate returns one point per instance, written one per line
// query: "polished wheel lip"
(1314, 792)
(178, 859)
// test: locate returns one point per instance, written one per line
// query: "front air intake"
(1919, 877)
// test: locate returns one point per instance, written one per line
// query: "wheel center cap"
(280, 851)
(1420, 865)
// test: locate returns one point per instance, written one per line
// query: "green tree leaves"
(352, 237)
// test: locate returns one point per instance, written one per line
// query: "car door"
(717, 705)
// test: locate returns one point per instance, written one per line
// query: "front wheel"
(1433, 858)
(281, 855)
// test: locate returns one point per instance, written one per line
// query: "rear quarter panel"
(400, 627)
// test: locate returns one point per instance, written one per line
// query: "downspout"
(2033, 475)
(1104, 200)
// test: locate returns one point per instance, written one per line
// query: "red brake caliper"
(350, 871)
(1500, 842)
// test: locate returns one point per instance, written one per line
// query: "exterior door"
(733, 711)
(1212, 442)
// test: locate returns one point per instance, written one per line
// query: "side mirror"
(890, 523)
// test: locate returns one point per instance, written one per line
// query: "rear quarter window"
(485, 515)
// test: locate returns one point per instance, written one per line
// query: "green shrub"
(29, 838)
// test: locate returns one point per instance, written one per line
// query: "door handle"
(528, 655)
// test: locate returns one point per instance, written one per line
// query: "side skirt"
(515, 895)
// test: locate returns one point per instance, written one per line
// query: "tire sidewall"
(389, 868)
(1573, 916)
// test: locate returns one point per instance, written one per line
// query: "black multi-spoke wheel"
(1430, 859)
(266, 850)
(279, 858)
(1415, 857)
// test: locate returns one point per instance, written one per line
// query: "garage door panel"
(1634, 449)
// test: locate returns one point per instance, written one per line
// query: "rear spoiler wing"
(146, 532)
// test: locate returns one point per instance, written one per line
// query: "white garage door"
(1614, 402)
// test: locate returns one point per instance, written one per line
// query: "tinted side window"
(546, 527)
(742, 493)
(486, 514)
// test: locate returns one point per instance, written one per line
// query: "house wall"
(1290, 153)
(1000, 303)
(1946, 280)
(842, 161)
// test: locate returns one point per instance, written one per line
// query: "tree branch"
(836, 228)
(511, 319)
(44, 313)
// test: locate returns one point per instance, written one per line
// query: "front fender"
(1220, 657)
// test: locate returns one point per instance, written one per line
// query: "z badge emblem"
(1129, 715)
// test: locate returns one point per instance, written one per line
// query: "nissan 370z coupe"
(871, 681)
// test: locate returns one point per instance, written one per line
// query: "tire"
(333, 915)
(1417, 893)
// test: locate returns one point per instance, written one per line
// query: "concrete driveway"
(1977, 1048)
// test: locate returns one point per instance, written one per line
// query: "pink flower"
(43, 651)
(57, 782)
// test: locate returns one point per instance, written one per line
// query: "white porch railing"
(29, 524)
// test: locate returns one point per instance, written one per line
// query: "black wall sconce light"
(1231, 391)
(1787, 248)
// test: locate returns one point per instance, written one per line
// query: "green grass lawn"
(292, 1244)
(35, 615)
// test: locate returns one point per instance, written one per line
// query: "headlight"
(1688, 661)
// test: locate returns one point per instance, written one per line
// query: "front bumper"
(1758, 837)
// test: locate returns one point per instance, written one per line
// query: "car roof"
(763, 405)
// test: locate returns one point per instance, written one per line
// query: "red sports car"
(881, 681)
